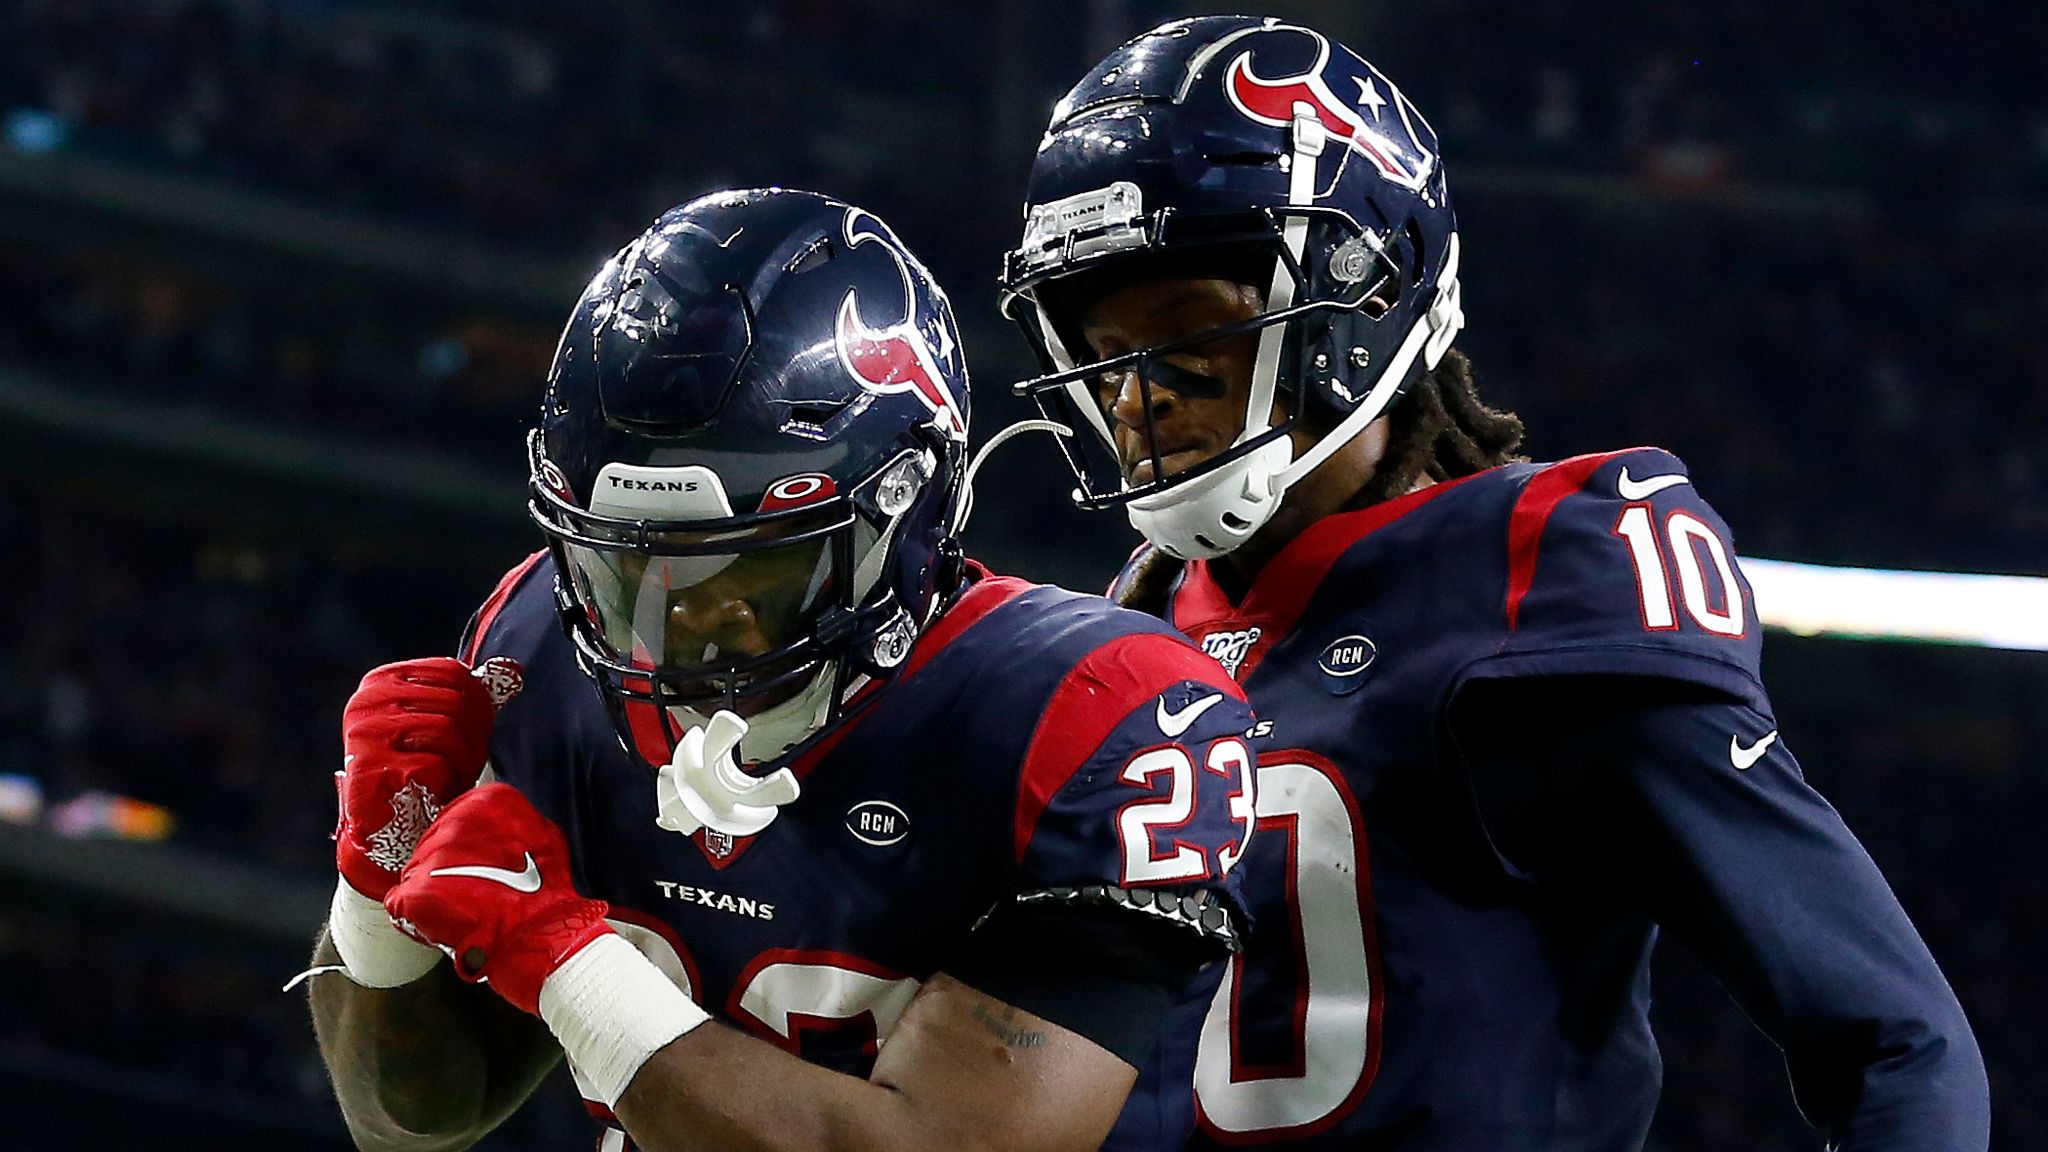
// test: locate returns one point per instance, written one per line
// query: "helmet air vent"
(668, 358)
(813, 256)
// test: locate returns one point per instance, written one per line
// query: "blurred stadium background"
(284, 276)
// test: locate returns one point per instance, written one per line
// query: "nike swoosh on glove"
(416, 735)
(490, 885)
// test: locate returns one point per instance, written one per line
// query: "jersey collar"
(985, 592)
(1281, 591)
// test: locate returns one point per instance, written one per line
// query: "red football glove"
(489, 885)
(415, 735)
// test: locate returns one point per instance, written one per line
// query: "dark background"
(282, 277)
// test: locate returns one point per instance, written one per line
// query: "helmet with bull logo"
(749, 465)
(1252, 150)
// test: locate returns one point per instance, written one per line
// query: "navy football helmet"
(1255, 150)
(749, 466)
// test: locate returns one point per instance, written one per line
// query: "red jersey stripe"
(1096, 695)
(1540, 497)
(488, 614)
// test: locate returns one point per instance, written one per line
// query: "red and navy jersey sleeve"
(517, 621)
(1136, 785)
(477, 635)
(1617, 565)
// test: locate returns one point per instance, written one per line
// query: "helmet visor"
(709, 605)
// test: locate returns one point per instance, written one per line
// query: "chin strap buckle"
(1307, 133)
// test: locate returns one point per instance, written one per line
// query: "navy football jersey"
(1035, 742)
(1423, 999)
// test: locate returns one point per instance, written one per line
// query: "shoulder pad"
(475, 637)
(1138, 775)
(1618, 554)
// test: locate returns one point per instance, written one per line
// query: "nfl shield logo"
(719, 844)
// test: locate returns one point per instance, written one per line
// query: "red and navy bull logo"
(894, 358)
(1388, 140)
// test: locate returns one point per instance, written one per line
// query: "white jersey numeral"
(1686, 535)
(1334, 1038)
(1140, 823)
(1233, 758)
(1686, 530)
(787, 992)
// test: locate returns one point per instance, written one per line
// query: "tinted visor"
(713, 611)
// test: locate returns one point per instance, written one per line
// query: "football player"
(1511, 723)
(765, 749)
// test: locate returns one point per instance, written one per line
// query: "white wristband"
(611, 1008)
(374, 953)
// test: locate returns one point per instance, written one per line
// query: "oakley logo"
(797, 491)
(552, 476)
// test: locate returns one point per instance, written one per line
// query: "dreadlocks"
(1439, 430)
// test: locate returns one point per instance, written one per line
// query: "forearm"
(428, 1066)
(716, 1088)
(1826, 961)
(1751, 868)
(1924, 1091)
(1754, 871)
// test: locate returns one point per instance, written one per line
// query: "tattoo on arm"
(1005, 1027)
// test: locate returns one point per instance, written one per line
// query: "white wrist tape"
(611, 1008)
(374, 953)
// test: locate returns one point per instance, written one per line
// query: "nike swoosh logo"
(1172, 724)
(1645, 488)
(1742, 757)
(527, 881)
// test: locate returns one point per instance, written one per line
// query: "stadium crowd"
(1901, 341)
(1866, 395)
(495, 117)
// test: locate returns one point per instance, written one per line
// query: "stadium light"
(1889, 604)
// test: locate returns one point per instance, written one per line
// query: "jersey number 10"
(1718, 610)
